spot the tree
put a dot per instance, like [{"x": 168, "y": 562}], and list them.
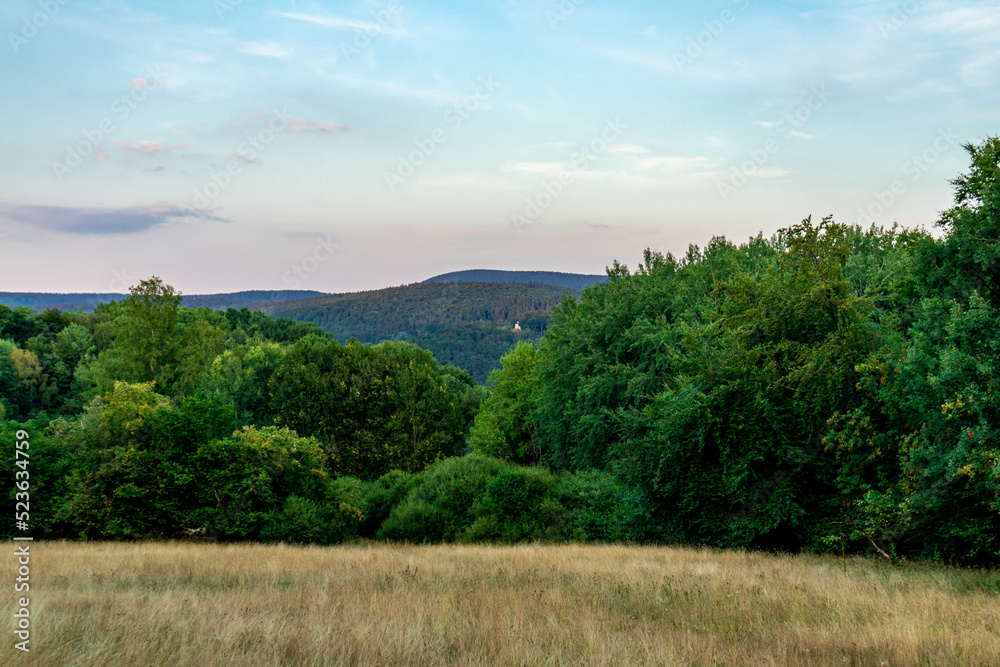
[
  {"x": 374, "y": 409},
  {"x": 968, "y": 259},
  {"x": 505, "y": 426},
  {"x": 146, "y": 339},
  {"x": 244, "y": 479}
]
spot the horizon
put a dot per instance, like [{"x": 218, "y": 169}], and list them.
[
  {"x": 342, "y": 147},
  {"x": 251, "y": 290}
]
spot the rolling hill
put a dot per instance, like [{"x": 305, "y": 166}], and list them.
[
  {"x": 467, "y": 324},
  {"x": 575, "y": 281},
  {"x": 87, "y": 301},
  {"x": 464, "y": 318}
]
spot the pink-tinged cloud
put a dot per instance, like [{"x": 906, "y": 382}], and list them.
[
  {"x": 142, "y": 82},
  {"x": 101, "y": 156},
  {"x": 144, "y": 147},
  {"x": 180, "y": 146},
  {"x": 97, "y": 221},
  {"x": 239, "y": 157},
  {"x": 301, "y": 124}
]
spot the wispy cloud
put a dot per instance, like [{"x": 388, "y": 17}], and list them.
[
  {"x": 672, "y": 162},
  {"x": 144, "y": 147},
  {"x": 267, "y": 49},
  {"x": 535, "y": 167},
  {"x": 301, "y": 124},
  {"x": 85, "y": 221},
  {"x": 339, "y": 23},
  {"x": 239, "y": 157},
  {"x": 627, "y": 148}
]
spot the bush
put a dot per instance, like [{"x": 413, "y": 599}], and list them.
[
  {"x": 300, "y": 520},
  {"x": 381, "y": 496},
  {"x": 477, "y": 498},
  {"x": 440, "y": 506},
  {"x": 598, "y": 506}
]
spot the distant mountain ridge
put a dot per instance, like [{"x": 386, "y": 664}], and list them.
[
  {"x": 576, "y": 281},
  {"x": 250, "y": 299}
]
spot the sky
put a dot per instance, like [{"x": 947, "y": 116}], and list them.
[{"x": 229, "y": 145}]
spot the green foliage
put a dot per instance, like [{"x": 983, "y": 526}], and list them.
[
  {"x": 466, "y": 324},
  {"x": 829, "y": 388},
  {"x": 373, "y": 408},
  {"x": 146, "y": 339},
  {"x": 479, "y": 498},
  {"x": 505, "y": 426},
  {"x": 440, "y": 507},
  {"x": 477, "y": 348},
  {"x": 131, "y": 460},
  {"x": 244, "y": 479}
]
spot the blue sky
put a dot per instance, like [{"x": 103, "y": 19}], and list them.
[{"x": 339, "y": 146}]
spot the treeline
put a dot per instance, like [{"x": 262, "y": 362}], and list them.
[
  {"x": 575, "y": 281},
  {"x": 831, "y": 388}
]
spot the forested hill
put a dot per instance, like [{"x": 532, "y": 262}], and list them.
[
  {"x": 251, "y": 300},
  {"x": 467, "y": 324},
  {"x": 571, "y": 280}
]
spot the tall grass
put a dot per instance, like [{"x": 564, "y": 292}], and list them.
[{"x": 206, "y": 605}]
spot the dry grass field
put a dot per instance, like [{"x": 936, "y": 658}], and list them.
[{"x": 206, "y": 605}]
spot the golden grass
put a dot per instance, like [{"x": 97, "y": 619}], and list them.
[{"x": 206, "y": 605}]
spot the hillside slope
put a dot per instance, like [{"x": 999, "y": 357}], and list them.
[
  {"x": 467, "y": 324},
  {"x": 576, "y": 281},
  {"x": 252, "y": 300}
]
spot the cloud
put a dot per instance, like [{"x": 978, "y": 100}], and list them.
[
  {"x": 85, "y": 221},
  {"x": 535, "y": 167},
  {"x": 300, "y": 124},
  {"x": 297, "y": 124},
  {"x": 671, "y": 162},
  {"x": 627, "y": 148},
  {"x": 267, "y": 49},
  {"x": 153, "y": 169},
  {"x": 142, "y": 83},
  {"x": 339, "y": 23},
  {"x": 144, "y": 147},
  {"x": 239, "y": 157}
]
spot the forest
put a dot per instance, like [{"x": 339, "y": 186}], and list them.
[{"x": 828, "y": 389}]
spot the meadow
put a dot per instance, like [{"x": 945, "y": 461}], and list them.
[{"x": 205, "y": 604}]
